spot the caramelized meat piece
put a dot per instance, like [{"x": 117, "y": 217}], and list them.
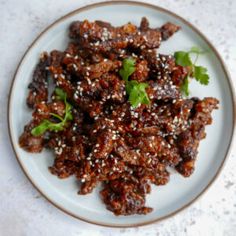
[
  {"x": 29, "y": 142},
  {"x": 141, "y": 72},
  {"x": 95, "y": 71},
  {"x": 144, "y": 24},
  {"x": 38, "y": 88},
  {"x": 188, "y": 141},
  {"x": 168, "y": 29},
  {"x": 101, "y": 36},
  {"x": 125, "y": 198},
  {"x": 88, "y": 186},
  {"x": 104, "y": 144}
]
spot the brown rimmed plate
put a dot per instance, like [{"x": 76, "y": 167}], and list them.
[{"x": 166, "y": 200}]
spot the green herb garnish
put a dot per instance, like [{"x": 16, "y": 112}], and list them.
[
  {"x": 136, "y": 91},
  {"x": 51, "y": 126},
  {"x": 198, "y": 72}
]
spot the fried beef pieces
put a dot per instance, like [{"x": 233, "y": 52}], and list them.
[{"x": 108, "y": 140}]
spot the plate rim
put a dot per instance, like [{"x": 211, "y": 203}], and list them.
[{"x": 195, "y": 29}]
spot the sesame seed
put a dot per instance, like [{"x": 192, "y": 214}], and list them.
[{"x": 59, "y": 151}]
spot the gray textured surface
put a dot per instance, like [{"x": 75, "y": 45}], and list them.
[{"x": 23, "y": 212}]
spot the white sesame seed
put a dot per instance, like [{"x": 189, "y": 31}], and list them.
[{"x": 59, "y": 151}]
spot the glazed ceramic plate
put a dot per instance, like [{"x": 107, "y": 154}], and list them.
[{"x": 180, "y": 191}]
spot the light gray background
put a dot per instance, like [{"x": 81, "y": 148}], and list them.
[{"x": 23, "y": 211}]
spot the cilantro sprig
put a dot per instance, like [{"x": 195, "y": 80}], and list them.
[
  {"x": 51, "y": 126},
  {"x": 183, "y": 58},
  {"x": 135, "y": 90}
]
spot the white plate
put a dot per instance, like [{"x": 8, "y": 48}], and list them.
[{"x": 165, "y": 200}]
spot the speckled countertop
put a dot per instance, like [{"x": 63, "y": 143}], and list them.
[{"x": 23, "y": 211}]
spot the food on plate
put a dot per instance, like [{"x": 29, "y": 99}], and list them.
[{"x": 118, "y": 112}]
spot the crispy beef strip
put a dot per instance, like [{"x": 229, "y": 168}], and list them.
[
  {"x": 29, "y": 142},
  {"x": 125, "y": 197},
  {"x": 38, "y": 88},
  {"x": 188, "y": 141},
  {"x": 102, "y": 37},
  {"x": 168, "y": 29}
]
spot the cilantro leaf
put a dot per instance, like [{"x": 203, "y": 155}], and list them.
[
  {"x": 128, "y": 69},
  {"x": 41, "y": 128},
  {"x": 51, "y": 126},
  {"x": 134, "y": 97},
  {"x": 135, "y": 90},
  {"x": 61, "y": 95},
  {"x": 185, "y": 86},
  {"x": 138, "y": 95},
  {"x": 182, "y": 58},
  {"x": 200, "y": 74},
  {"x": 56, "y": 116},
  {"x": 196, "y": 50},
  {"x": 142, "y": 90},
  {"x": 129, "y": 85}
]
